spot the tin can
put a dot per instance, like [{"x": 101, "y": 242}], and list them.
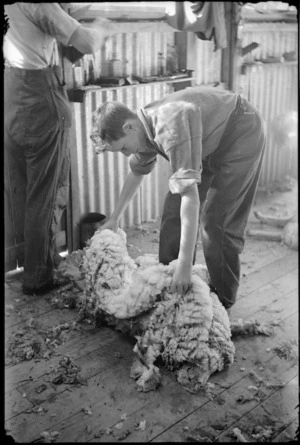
[{"x": 89, "y": 223}]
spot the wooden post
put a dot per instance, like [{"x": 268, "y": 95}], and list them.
[
  {"x": 231, "y": 54},
  {"x": 225, "y": 70},
  {"x": 191, "y": 59},
  {"x": 235, "y": 48},
  {"x": 181, "y": 47}
]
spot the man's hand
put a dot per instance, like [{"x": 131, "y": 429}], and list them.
[
  {"x": 105, "y": 25},
  {"x": 189, "y": 214},
  {"x": 182, "y": 278},
  {"x": 110, "y": 224},
  {"x": 79, "y": 13}
]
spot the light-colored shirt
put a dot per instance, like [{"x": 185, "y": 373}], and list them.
[
  {"x": 187, "y": 126},
  {"x": 34, "y": 28}
]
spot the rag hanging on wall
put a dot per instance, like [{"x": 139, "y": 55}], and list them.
[{"x": 206, "y": 19}]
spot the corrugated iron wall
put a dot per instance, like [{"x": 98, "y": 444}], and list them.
[
  {"x": 208, "y": 62},
  {"x": 143, "y": 54},
  {"x": 99, "y": 178},
  {"x": 271, "y": 87},
  {"x": 274, "y": 38}
]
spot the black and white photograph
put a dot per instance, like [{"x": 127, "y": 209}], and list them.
[{"x": 151, "y": 278}]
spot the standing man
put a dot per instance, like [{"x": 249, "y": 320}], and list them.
[
  {"x": 37, "y": 120},
  {"x": 214, "y": 141}
]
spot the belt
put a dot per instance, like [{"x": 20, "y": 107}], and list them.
[
  {"x": 51, "y": 74},
  {"x": 242, "y": 107},
  {"x": 34, "y": 72}
]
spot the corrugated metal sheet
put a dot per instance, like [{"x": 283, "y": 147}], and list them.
[
  {"x": 143, "y": 54},
  {"x": 101, "y": 177},
  {"x": 208, "y": 63},
  {"x": 274, "y": 39},
  {"x": 204, "y": 60},
  {"x": 272, "y": 88}
]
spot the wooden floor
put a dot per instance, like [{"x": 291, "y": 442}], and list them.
[{"x": 108, "y": 408}]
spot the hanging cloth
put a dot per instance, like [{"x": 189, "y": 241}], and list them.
[{"x": 206, "y": 19}]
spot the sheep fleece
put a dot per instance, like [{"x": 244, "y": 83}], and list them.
[{"x": 190, "y": 333}]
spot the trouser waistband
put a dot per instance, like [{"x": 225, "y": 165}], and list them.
[
  {"x": 24, "y": 71},
  {"x": 52, "y": 75},
  {"x": 242, "y": 107}
]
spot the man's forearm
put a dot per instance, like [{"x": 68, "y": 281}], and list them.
[
  {"x": 129, "y": 189},
  {"x": 189, "y": 214},
  {"x": 87, "y": 41},
  {"x": 89, "y": 37}
]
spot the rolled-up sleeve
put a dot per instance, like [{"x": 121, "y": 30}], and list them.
[
  {"x": 182, "y": 139},
  {"x": 186, "y": 165},
  {"x": 142, "y": 163},
  {"x": 54, "y": 21},
  {"x": 183, "y": 179}
]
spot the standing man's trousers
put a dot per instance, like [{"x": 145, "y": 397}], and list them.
[
  {"x": 37, "y": 119},
  {"x": 229, "y": 181}
]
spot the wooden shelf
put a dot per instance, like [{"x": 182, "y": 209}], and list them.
[
  {"x": 258, "y": 63},
  {"x": 130, "y": 16},
  {"x": 77, "y": 94},
  {"x": 255, "y": 16}
]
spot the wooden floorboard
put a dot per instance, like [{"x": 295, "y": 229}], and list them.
[
  {"x": 235, "y": 382},
  {"x": 222, "y": 414},
  {"x": 268, "y": 299},
  {"x": 290, "y": 431},
  {"x": 19, "y": 311},
  {"x": 81, "y": 343},
  {"x": 108, "y": 408},
  {"x": 161, "y": 404},
  {"x": 273, "y": 270},
  {"x": 277, "y": 411},
  {"x": 66, "y": 401}
]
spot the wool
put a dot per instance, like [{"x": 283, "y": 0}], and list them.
[
  {"x": 290, "y": 235},
  {"x": 190, "y": 333}
]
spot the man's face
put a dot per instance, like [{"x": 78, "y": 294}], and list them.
[
  {"x": 127, "y": 145},
  {"x": 133, "y": 141}
]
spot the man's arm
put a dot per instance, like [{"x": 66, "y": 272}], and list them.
[
  {"x": 129, "y": 189},
  {"x": 89, "y": 37},
  {"x": 53, "y": 20},
  {"x": 189, "y": 214}
]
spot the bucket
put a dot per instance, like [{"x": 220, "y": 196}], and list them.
[{"x": 89, "y": 223}]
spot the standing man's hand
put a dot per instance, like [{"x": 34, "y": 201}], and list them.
[
  {"x": 106, "y": 25},
  {"x": 182, "y": 278},
  {"x": 77, "y": 14},
  {"x": 89, "y": 37}
]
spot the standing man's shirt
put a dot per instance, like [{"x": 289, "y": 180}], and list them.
[
  {"x": 32, "y": 45},
  {"x": 187, "y": 126}
]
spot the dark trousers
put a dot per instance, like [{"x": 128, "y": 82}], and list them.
[
  {"x": 229, "y": 181},
  {"x": 37, "y": 119}
]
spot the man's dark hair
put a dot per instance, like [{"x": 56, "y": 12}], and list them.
[{"x": 108, "y": 120}]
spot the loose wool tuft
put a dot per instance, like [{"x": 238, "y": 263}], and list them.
[
  {"x": 290, "y": 235},
  {"x": 190, "y": 333}
]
